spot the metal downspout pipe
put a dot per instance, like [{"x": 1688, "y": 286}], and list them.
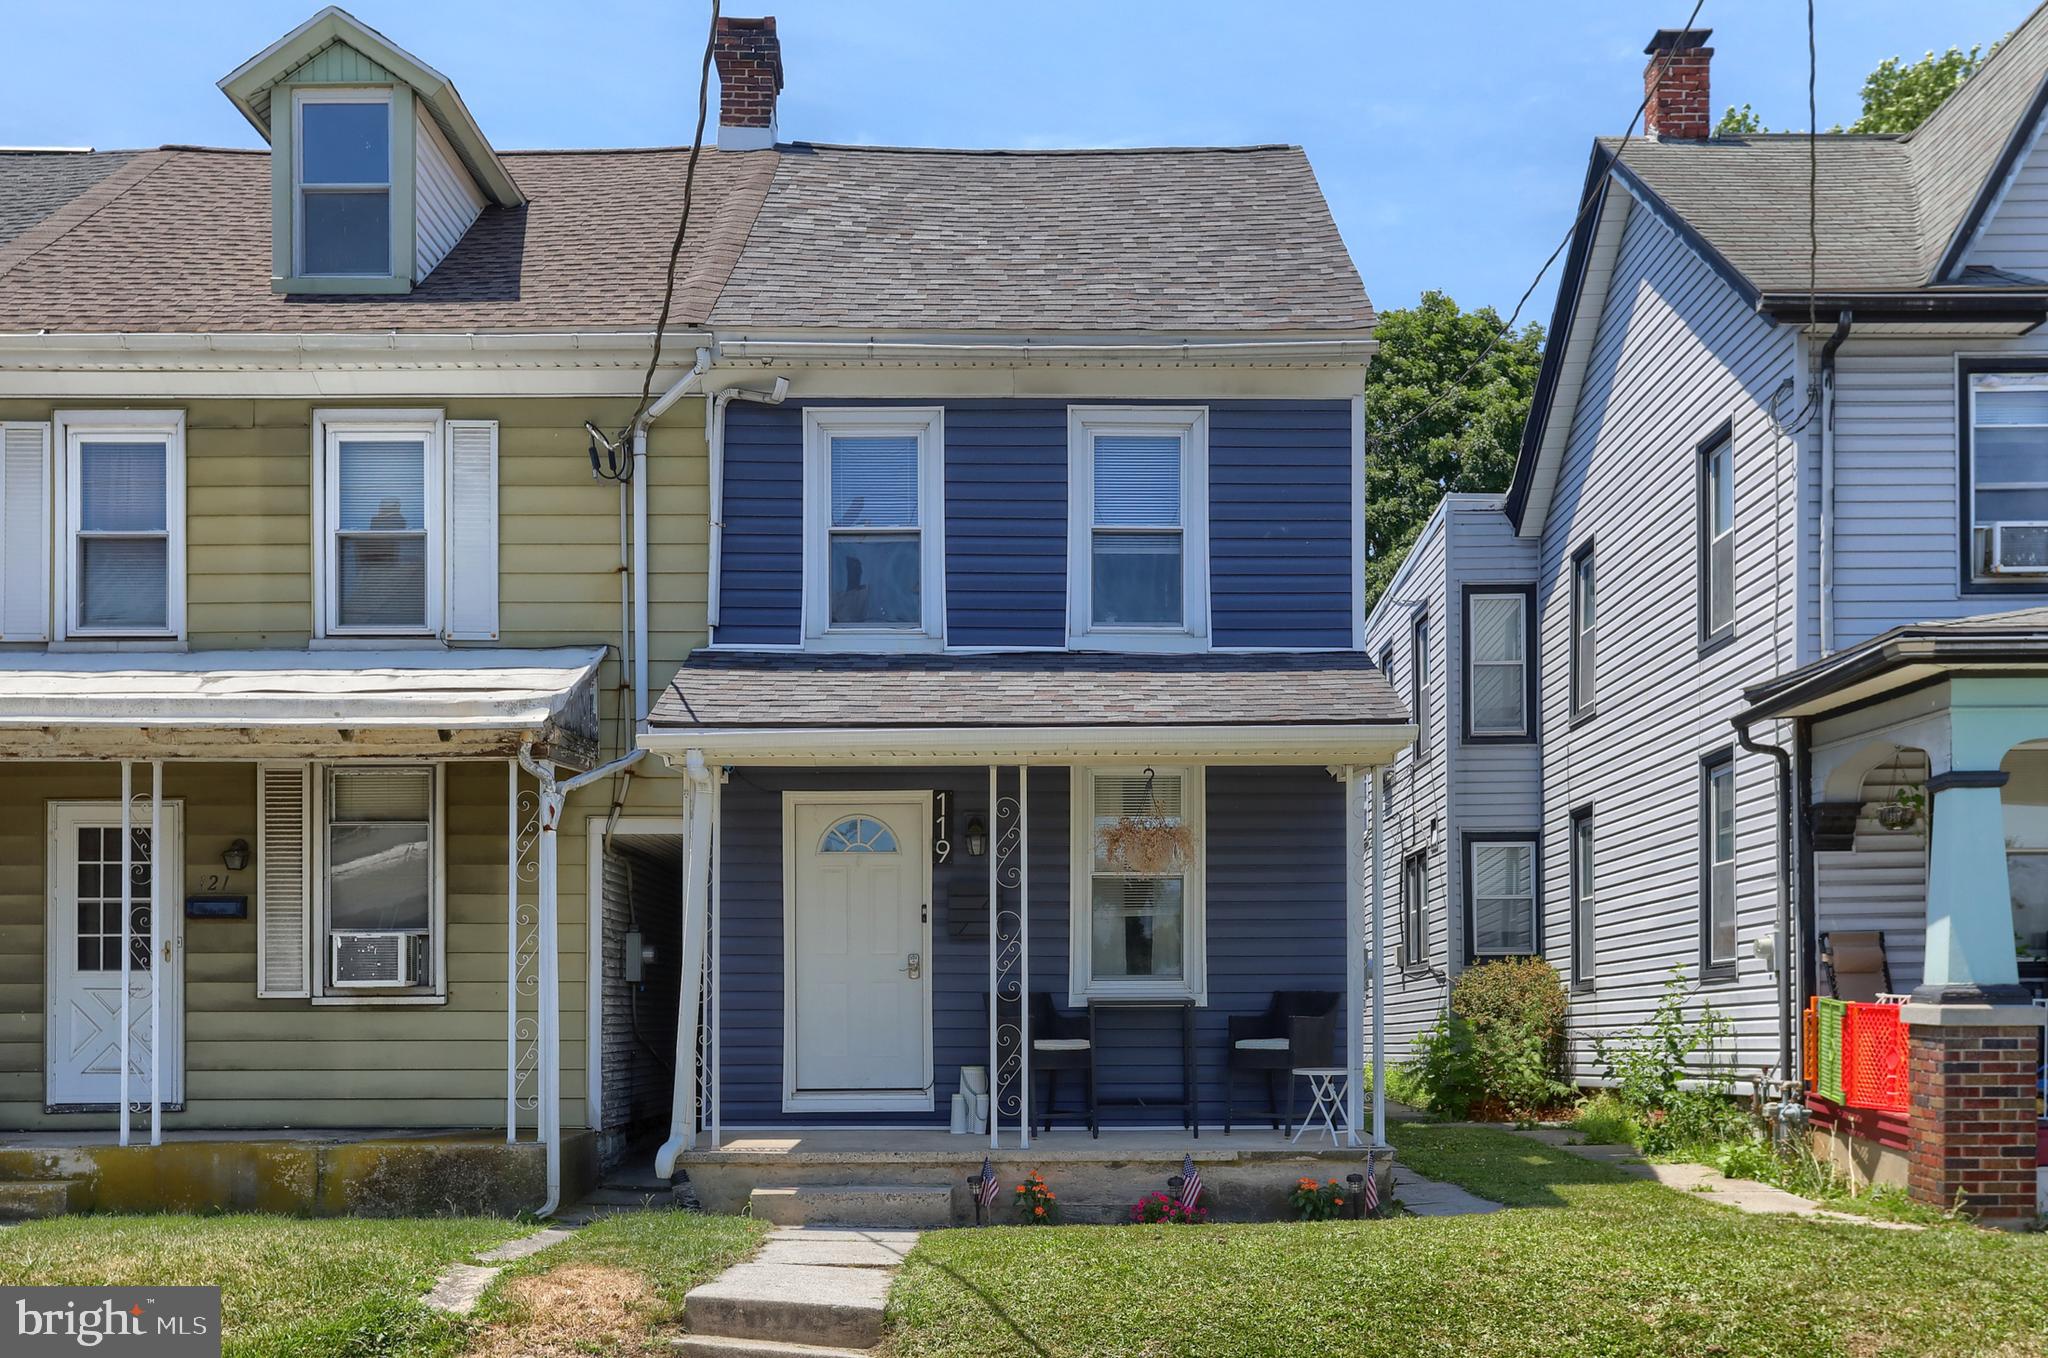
[
  {"x": 1827, "y": 479},
  {"x": 697, "y": 868},
  {"x": 679, "y": 389},
  {"x": 1783, "y": 950}
]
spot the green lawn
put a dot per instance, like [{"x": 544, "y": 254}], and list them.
[
  {"x": 290, "y": 1288},
  {"x": 1593, "y": 1263}
]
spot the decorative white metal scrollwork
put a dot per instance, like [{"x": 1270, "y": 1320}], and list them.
[
  {"x": 525, "y": 997},
  {"x": 1006, "y": 937}
]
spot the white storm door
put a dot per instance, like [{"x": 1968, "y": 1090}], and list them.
[
  {"x": 82, "y": 1033},
  {"x": 857, "y": 976}
]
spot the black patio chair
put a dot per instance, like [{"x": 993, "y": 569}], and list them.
[
  {"x": 1060, "y": 1043},
  {"x": 1299, "y": 1028}
]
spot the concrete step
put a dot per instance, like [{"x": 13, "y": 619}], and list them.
[
  {"x": 828, "y": 1247},
  {"x": 717, "y": 1346},
  {"x": 907, "y": 1206},
  {"x": 791, "y": 1304},
  {"x": 33, "y": 1199}
]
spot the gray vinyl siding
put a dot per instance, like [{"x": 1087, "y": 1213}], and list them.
[
  {"x": 1677, "y": 355},
  {"x": 1457, "y": 786},
  {"x": 2014, "y": 236}
]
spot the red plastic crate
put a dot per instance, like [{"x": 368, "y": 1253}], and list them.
[{"x": 1874, "y": 1058}]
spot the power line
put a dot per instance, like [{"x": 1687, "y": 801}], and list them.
[{"x": 1507, "y": 326}]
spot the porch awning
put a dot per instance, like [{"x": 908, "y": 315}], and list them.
[
  {"x": 300, "y": 704},
  {"x": 1902, "y": 657},
  {"x": 780, "y": 707}
]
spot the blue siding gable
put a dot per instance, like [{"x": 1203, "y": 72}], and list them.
[{"x": 1280, "y": 488}]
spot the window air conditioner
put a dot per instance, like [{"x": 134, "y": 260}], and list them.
[
  {"x": 2019, "y": 549},
  {"x": 380, "y": 958}
]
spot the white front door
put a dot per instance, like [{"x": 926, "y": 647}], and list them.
[
  {"x": 83, "y": 1018},
  {"x": 857, "y": 998}
]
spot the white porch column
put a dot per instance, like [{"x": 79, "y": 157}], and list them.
[
  {"x": 511, "y": 950},
  {"x": 157, "y": 960},
  {"x": 699, "y": 793},
  {"x": 995, "y": 1133},
  {"x": 1024, "y": 951},
  {"x": 1969, "y": 919},
  {"x": 127, "y": 924}
]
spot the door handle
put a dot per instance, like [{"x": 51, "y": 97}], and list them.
[
  {"x": 167, "y": 950},
  {"x": 914, "y": 964}
]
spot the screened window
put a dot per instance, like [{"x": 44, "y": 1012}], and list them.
[
  {"x": 1418, "y": 682},
  {"x": 1717, "y": 539},
  {"x": 380, "y": 867},
  {"x": 1503, "y": 893},
  {"x": 1584, "y": 624},
  {"x": 124, "y": 515},
  {"x": 2009, "y": 477},
  {"x": 1142, "y": 930},
  {"x": 1414, "y": 909},
  {"x": 1139, "y": 556},
  {"x": 1717, "y": 853},
  {"x": 384, "y": 516},
  {"x": 874, "y": 514},
  {"x": 1582, "y": 896},
  {"x": 343, "y": 173},
  {"x": 1497, "y": 682}
]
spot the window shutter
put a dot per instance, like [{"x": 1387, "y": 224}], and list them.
[
  {"x": 472, "y": 601},
  {"x": 284, "y": 880},
  {"x": 24, "y": 532}
]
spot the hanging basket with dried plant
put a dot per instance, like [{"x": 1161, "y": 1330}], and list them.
[{"x": 1152, "y": 843}]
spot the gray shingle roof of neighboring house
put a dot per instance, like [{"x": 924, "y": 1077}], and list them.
[
  {"x": 719, "y": 690},
  {"x": 1231, "y": 238},
  {"x": 34, "y": 184},
  {"x": 1181, "y": 241},
  {"x": 1892, "y": 208}
]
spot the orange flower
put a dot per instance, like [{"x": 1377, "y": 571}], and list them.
[{"x": 1038, "y": 1211}]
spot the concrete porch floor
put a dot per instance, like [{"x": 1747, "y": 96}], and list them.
[{"x": 912, "y": 1145}]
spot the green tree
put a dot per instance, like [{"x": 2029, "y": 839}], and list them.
[
  {"x": 1898, "y": 97},
  {"x": 1432, "y": 427},
  {"x": 1738, "y": 122}
]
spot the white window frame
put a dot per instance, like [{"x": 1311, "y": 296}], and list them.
[
  {"x": 1585, "y": 624},
  {"x": 343, "y": 95},
  {"x": 324, "y": 992},
  {"x": 329, "y": 427},
  {"x": 1584, "y": 862},
  {"x": 1720, "y": 448},
  {"x": 1084, "y": 425},
  {"x": 74, "y": 428},
  {"x": 1712, "y": 771},
  {"x": 1082, "y": 984},
  {"x": 1413, "y": 893},
  {"x": 927, "y": 424},
  {"x": 1519, "y": 731},
  {"x": 1528, "y": 845},
  {"x": 1979, "y": 557}
]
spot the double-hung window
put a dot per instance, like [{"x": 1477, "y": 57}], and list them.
[
  {"x": 1137, "y": 571},
  {"x": 1138, "y": 915},
  {"x": 122, "y": 490},
  {"x": 1582, "y": 896},
  {"x": 1500, "y": 888},
  {"x": 2007, "y": 509},
  {"x": 1584, "y": 631},
  {"x": 1418, "y": 682},
  {"x": 874, "y": 556},
  {"x": 1415, "y": 909},
  {"x": 1717, "y": 537},
  {"x": 380, "y": 864},
  {"x": 1717, "y": 863},
  {"x": 1498, "y": 688},
  {"x": 342, "y": 182}
]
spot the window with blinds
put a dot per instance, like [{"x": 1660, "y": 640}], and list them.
[
  {"x": 122, "y": 509},
  {"x": 875, "y": 554},
  {"x": 1138, "y": 559},
  {"x": 380, "y": 534},
  {"x": 1497, "y": 663},
  {"x": 2008, "y": 478},
  {"x": 1503, "y": 894},
  {"x": 1139, "y": 926}
]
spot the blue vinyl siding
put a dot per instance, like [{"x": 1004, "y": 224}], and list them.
[
  {"x": 1279, "y": 523},
  {"x": 1275, "y": 910}
]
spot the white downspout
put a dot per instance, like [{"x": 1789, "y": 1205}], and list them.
[
  {"x": 715, "y": 438},
  {"x": 682, "y": 1123},
  {"x": 552, "y": 795},
  {"x": 675, "y": 393}
]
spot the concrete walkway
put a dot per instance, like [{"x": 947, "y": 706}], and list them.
[
  {"x": 460, "y": 1286},
  {"x": 1429, "y": 1198},
  {"x": 1744, "y": 1195},
  {"x": 813, "y": 1290}
]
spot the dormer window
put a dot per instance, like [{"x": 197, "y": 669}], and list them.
[{"x": 344, "y": 183}]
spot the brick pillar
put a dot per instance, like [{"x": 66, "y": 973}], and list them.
[{"x": 1973, "y": 1117}]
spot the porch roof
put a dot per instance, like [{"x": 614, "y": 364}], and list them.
[
  {"x": 2016, "y": 641},
  {"x": 300, "y": 704},
  {"x": 782, "y": 707}
]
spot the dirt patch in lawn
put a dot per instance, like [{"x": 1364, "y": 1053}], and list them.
[{"x": 575, "y": 1310}]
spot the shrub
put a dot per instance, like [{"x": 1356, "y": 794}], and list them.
[
  {"x": 1514, "y": 1011},
  {"x": 1158, "y": 1207},
  {"x": 1037, "y": 1204},
  {"x": 1317, "y": 1202},
  {"x": 1403, "y": 1085},
  {"x": 1664, "y": 1076},
  {"x": 1604, "y": 1120},
  {"x": 1445, "y": 1071}
]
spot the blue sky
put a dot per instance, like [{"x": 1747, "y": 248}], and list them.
[{"x": 1450, "y": 137}]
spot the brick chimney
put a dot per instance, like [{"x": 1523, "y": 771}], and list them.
[
  {"x": 749, "y": 58},
  {"x": 1675, "y": 80}
]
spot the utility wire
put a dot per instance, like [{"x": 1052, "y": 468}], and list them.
[{"x": 1507, "y": 327}]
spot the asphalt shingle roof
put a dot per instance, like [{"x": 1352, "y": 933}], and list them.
[
  {"x": 722, "y": 690},
  {"x": 35, "y": 184}
]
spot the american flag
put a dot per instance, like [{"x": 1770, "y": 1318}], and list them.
[
  {"x": 1190, "y": 1183},
  {"x": 985, "y": 1192},
  {"x": 1372, "y": 1190}
]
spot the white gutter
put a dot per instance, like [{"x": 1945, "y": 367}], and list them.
[
  {"x": 1327, "y": 743},
  {"x": 714, "y": 430},
  {"x": 675, "y": 393},
  {"x": 1056, "y": 351},
  {"x": 682, "y": 1123},
  {"x": 552, "y": 795}
]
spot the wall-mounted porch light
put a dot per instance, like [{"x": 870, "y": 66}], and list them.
[
  {"x": 235, "y": 856},
  {"x": 977, "y": 837}
]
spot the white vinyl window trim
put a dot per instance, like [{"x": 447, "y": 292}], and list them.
[
  {"x": 924, "y": 424},
  {"x": 301, "y": 186},
  {"x": 1193, "y": 982},
  {"x": 1086, "y": 425},
  {"x": 1507, "y": 900},
  {"x": 1414, "y": 910},
  {"x": 74, "y": 429},
  {"x": 331, "y": 428},
  {"x": 1509, "y": 664},
  {"x": 320, "y": 820}
]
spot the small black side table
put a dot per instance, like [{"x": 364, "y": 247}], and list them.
[{"x": 1189, "y": 1103}]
